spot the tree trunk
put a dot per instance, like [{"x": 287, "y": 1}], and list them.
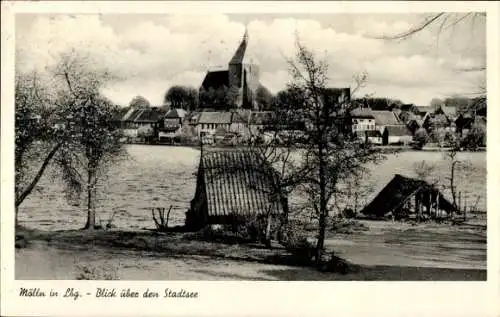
[
  {"x": 452, "y": 184},
  {"x": 35, "y": 180},
  {"x": 323, "y": 211},
  {"x": 16, "y": 221},
  {"x": 90, "y": 225}
]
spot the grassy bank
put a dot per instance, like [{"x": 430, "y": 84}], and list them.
[{"x": 386, "y": 251}]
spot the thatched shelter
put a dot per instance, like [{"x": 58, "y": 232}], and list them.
[
  {"x": 404, "y": 196},
  {"x": 233, "y": 186}
]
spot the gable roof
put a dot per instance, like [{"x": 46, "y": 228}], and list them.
[
  {"x": 150, "y": 115},
  {"x": 383, "y": 117},
  {"x": 218, "y": 117},
  {"x": 397, "y": 191},
  {"x": 398, "y": 130},
  {"x": 424, "y": 109},
  {"x": 215, "y": 79},
  {"x": 362, "y": 113},
  {"x": 175, "y": 114},
  {"x": 236, "y": 183}
]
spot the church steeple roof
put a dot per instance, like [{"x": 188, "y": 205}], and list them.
[{"x": 239, "y": 55}]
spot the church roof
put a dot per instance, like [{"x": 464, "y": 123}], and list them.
[
  {"x": 216, "y": 79},
  {"x": 239, "y": 55}
]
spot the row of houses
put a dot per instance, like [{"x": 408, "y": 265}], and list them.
[
  {"x": 167, "y": 124},
  {"x": 399, "y": 125},
  {"x": 380, "y": 127}
]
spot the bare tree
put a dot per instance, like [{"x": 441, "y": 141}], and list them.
[
  {"x": 330, "y": 152},
  {"x": 94, "y": 143},
  {"x": 424, "y": 170}
]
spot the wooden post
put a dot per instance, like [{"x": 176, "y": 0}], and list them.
[
  {"x": 419, "y": 215},
  {"x": 459, "y": 201},
  {"x": 437, "y": 203},
  {"x": 465, "y": 207},
  {"x": 429, "y": 204},
  {"x": 268, "y": 229}
]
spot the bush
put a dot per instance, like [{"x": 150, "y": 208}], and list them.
[
  {"x": 420, "y": 138},
  {"x": 302, "y": 250},
  {"x": 475, "y": 138},
  {"x": 335, "y": 264}
]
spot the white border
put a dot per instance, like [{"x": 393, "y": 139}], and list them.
[{"x": 254, "y": 298}]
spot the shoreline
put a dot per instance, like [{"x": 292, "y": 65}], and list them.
[{"x": 382, "y": 148}]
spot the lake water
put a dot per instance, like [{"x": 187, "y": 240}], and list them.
[{"x": 160, "y": 176}]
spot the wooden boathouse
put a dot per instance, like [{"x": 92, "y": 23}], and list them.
[
  {"x": 404, "y": 197},
  {"x": 232, "y": 187}
]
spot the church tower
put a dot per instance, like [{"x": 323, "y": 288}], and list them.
[{"x": 243, "y": 76}]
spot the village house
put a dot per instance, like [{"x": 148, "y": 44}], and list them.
[
  {"x": 142, "y": 122},
  {"x": 172, "y": 124},
  {"x": 210, "y": 121},
  {"x": 232, "y": 187},
  {"x": 422, "y": 111},
  {"x": 393, "y": 131},
  {"x": 450, "y": 112},
  {"x": 362, "y": 119}
]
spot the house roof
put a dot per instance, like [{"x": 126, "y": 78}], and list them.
[
  {"x": 118, "y": 116},
  {"x": 438, "y": 119},
  {"x": 362, "y": 113},
  {"x": 176, "y": 114},
  {"x": 398, "y": 130},
  {"x": 236, "y": 182},
  {"x": 449, "y": 111},
  {"x": 150, "y": 115},
  {"x": 397, "y": 191},
  {"x": 215, "y": 79},
  {"x": 132, "y": 114},
  {"x": 424, "y": 109},
  {"x": 218, "y": 117},
  {"x": 383, "y": 117}
]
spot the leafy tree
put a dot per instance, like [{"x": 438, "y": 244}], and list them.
[
  {"x": 139, "y": 102},
  {"x": 36, "y": 142},
  {"x": 218, "y": 99},
  {"x": 264, "y": 98},
  {"x": 182, "y": 97},
  {"x": 421, "y": 138},
  {"x": 475, "y": 138},
  {"x": 94, "y": 142},
  {"x": 436, "y": 102}
]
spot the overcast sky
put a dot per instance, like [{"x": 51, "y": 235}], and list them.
[{"x": 150, "y": 53}]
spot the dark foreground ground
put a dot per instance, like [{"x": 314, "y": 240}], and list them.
[{"x": 385, "y": 252}]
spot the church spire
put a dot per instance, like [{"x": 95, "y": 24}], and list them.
[
  {"x": 240, "y": 52},
  {"x": 245, "y": 36}
]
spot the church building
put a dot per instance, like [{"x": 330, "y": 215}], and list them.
[{"x": 240, "y": 80}]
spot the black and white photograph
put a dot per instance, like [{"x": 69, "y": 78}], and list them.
[{"x": 251, "y": 146}]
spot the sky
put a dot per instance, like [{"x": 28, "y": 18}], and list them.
[{"x": 150, "y": 53}]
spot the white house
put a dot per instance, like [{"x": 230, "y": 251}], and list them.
[
  {"x": 362, "y": 119},
  {"x": 208, "y": 122}
]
